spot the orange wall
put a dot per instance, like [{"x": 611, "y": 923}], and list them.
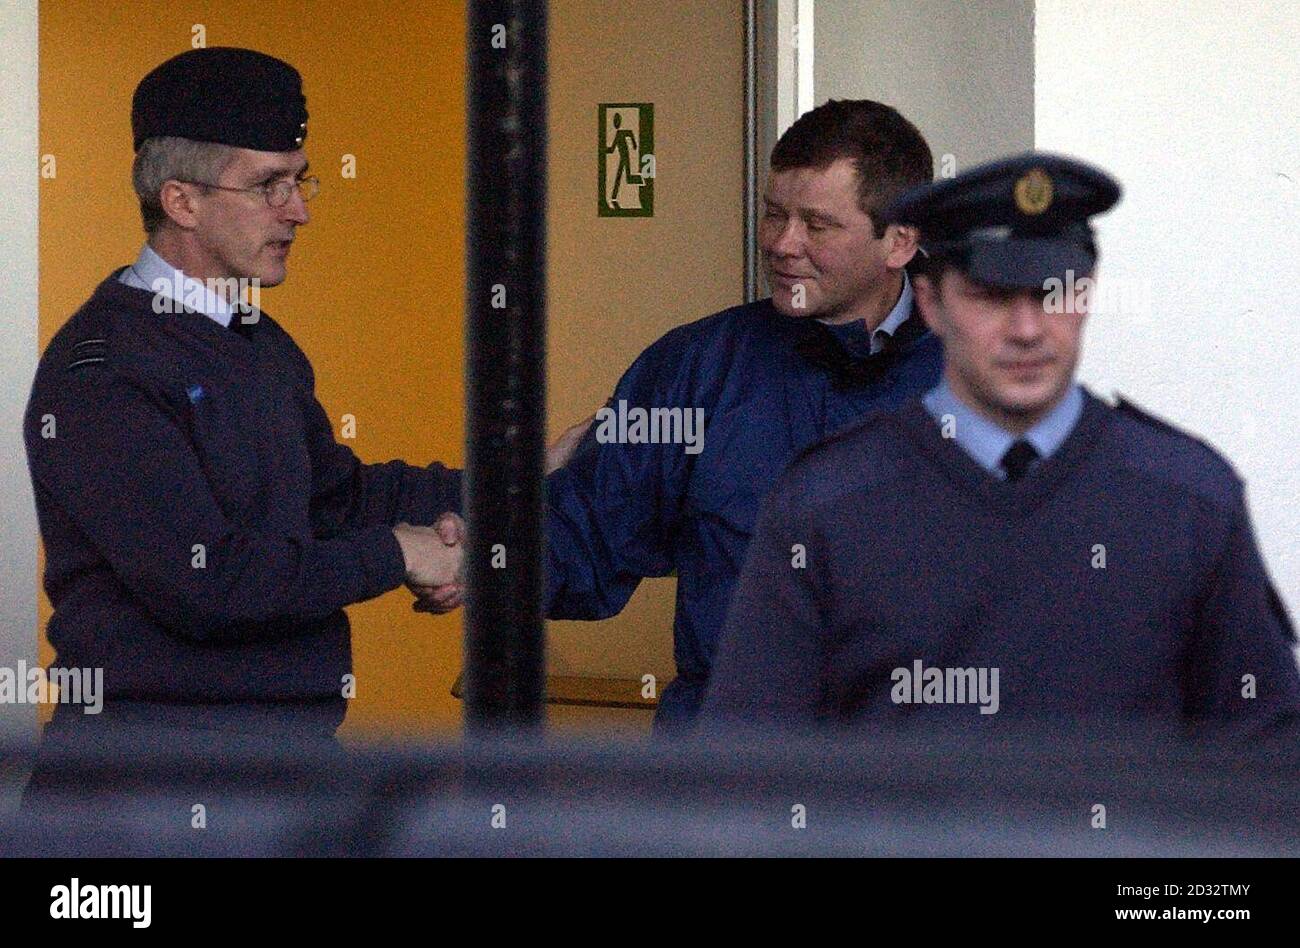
[
  {"x": 618, "y": 284},
  {"x": 375, "y": 288},
  {"x": 376, "y": 281}
]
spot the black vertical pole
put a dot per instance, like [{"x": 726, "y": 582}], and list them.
[
  {"x": 506, "y": 369},
  {"x": 749, "y": 193}
]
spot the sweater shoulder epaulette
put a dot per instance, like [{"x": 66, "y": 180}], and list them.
[
  {"x": 83, "y": 343},
  {"x": 1165, "y": 429},
  {"x": 1141, "y": 414},
  {"x": 1168, "y": 452},
  {"x": 85, "y": 353}
]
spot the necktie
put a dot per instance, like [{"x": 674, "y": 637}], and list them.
[
  {"x": 1017, "y": 459},
  {"x": 237, "y": 323}
]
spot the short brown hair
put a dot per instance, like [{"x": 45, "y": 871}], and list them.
[{"x": 887, "y": 151}]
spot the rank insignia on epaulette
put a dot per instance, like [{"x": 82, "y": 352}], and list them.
[{"x": 88, "y": 352}]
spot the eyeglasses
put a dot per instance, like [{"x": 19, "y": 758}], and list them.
[{"x": 276, "y": 194}]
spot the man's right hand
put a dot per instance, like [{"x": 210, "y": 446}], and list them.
[{"x": 429, "y": 560}]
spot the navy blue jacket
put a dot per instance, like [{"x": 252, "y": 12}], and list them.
[
  {"x": 620, "y": 512},
  {"x": 203, "y": 529},
  {"x": 1120, "y": 577}
]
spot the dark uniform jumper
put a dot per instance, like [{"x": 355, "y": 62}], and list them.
[
  {"x": 203, "y": 529},
  {"x": 1105, "y": 568},
  {"x": 915, "y": 552}
]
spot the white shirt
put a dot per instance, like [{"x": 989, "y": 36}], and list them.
[{"x": 151, "y": 272}]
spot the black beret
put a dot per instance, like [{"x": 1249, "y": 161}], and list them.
[
  {"x": 1014, "y": 222},
  {"x": 221, "y": 94}
]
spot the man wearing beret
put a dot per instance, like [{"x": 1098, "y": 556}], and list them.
[
  {"x": 1007, "y": 540},
  {"x": 203, "y": 529}
]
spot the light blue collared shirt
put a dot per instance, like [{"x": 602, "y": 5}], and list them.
[
  {"x": 987, "y": 442},
  {"x": 151, "y": 272},
  {"x": 853, "y": 336}
]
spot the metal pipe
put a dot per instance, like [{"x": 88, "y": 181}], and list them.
[
  {"x": 751, "y": 151},
  {"x": 505, "y": 364}
]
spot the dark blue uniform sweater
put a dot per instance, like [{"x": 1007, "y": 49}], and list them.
[
  {"x": 203, "y": 529},
  {"x": 915, "y": 553}
]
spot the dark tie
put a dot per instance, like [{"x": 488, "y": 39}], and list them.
[
  {"x": 237, "y": 323},
  {"x": 1017, "y": 460}
]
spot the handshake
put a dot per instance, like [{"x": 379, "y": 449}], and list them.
[
  {"x": 435, "y": 563},
  {"x": 435, "y": 556}
]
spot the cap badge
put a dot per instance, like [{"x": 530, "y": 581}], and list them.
[{"x": 1033, "y": 191}]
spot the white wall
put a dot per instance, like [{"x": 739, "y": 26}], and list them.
[
  {"x": 1195, "y": 107},
  {"x": 962, "y": 72},
  {"x": 18, "y": 328}
]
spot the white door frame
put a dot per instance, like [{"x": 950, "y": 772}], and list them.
[{"x": 19, "y": 334}]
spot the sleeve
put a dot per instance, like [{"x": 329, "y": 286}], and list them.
[
  {"x": 767, "y": 666},
  {"x": 348, "y": 495},
  {"x": 614, "y": 511},
  {"x": 1243, "y": 664},
  {"x": 123, "y": 469}
]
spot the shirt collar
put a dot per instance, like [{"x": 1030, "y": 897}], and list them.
[
  {"x": 853, "y": 335},
  {"x": 986, "y": 441},
  {"x": 897, "y": 316},
  {"x": 151, "y": 272}
]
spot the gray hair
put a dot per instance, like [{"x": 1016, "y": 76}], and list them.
[{"x": 165, "y": 158}]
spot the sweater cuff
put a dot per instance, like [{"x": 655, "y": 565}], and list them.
[
  {"x": 453, "y": 485},
  {"x": 382, "y": 560}
]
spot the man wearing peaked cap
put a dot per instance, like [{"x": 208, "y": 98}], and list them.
[
  {"x": 1074, "y": 560},
  {"x": 1006, "y": 233},
  {"x": 1013, "y": 223},
  {"x": 203, "y": 528}
]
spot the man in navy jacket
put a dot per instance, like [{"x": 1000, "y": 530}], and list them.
[{"x": 671, "y": 474}]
